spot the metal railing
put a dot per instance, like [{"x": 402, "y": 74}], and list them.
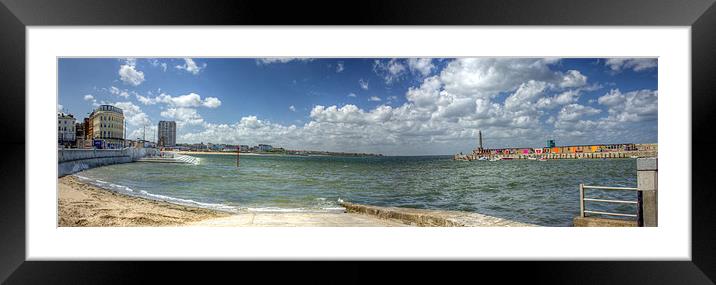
[{"x": 638, "y": 202}]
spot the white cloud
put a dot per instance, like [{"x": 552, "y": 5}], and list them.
[
  {"x": 91, "y": 98},
  {"x": 573, "y": 78},
  {"x": 156, "y": 63},
  {"x": 572, "y": 112},
  {"x": 60, "y": 108},
  {"x": 270, "y": 60},
  {"x": 129, "y": 74},
  {"x": 427, "y": 94},
  {"x": 525, "y": 95},
  {"x": 363, "y": 84},
  {"x": 352, "y": 95},
  {"x": 634, "y": 106},
  {"x": 191, "y": 66},
  {"x": 211, "y": 102},
  {"x": 374, "y": 99},
  {"x": 292, "y": 108},
  {"x": 133, "y": 114},
  {"x": 566, "y": 97},
  {"x": 148, "y": 132},
  {"x": 145, "y": 100},
  {"x": 248, "y": 130},
  {"x": 612, "y": 99},
  {"x": 339, "y": 67},
  {"x": 485, "y": 77},
  {"x": 423, "y": 66},
  {"x": 636, "y": 64},
  {"x": 123, "y": 93},
  {"x": 391, "y": 71},
  {"x": 183, "y": 116},
  {"x": 183, "y": 101}
]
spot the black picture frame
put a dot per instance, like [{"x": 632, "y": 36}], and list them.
[{"x": 15, "y": 15}]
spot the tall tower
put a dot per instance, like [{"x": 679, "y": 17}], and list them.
[{"x": 479, "y": 134}]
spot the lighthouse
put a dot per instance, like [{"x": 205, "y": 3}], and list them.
[{"x": 479, "y": 135}]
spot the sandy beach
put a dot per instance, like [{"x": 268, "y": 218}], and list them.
[{"x": 83, "y": 205}]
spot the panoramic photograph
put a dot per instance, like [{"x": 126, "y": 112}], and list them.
[{"x": 357, "y": 142}]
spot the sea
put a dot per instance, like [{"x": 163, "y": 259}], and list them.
[{"x": 544, "y": 193}]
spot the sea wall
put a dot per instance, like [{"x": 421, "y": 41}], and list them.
[
  {"x": 70, "y": 161},
  {"x": 432, "y": 218}
]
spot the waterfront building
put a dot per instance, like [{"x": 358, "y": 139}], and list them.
[
  {"x": 264, "y": 147},
  {"x": 107, "y": 127},
  {"x": 647, "y": 147},
  {"x": 65, "y": 129},
  {"x": 230, "y": 148},
  {"x": 140, "y": 143},
  {"x": 88, "y": 129},
  {"x": 619, "y": 150},
  {"x": 167, "y": 134},
  {"x": 216, "y": 147},
  {"x": 199, "y": 147},
  {"x": 80, "y": 134}
]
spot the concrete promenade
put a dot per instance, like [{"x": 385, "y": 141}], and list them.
[{"x": 300, "y": 219}]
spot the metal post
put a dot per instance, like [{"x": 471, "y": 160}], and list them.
[
  {"x": 639, "y": 209},
  {"x": 581, "y": 200}
]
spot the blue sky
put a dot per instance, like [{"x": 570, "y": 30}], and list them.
[{"x": 392, "y": 106}]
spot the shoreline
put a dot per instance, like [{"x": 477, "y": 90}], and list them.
[
  {"x": 264, "y": 154},
  {"x": 224, "y": 153},
  {"x": 81, "y": 204}
]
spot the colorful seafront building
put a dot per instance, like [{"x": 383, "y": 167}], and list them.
[
  {"x": 104, "y": 128},
  {"x": 552, "y": 151}
]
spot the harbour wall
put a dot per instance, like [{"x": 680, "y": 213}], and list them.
[
  {"x": 70, "y": 161},
  {"x": 588, "y": 155}
]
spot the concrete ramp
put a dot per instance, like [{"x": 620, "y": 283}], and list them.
[
  {"x": 432, "y": 218},
  {"x": 176, "y": 158}
]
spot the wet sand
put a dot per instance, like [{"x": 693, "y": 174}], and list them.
[{"x": 83, "y": 205}]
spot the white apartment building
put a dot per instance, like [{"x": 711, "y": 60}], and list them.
[{"x": 65, "y": 129}]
